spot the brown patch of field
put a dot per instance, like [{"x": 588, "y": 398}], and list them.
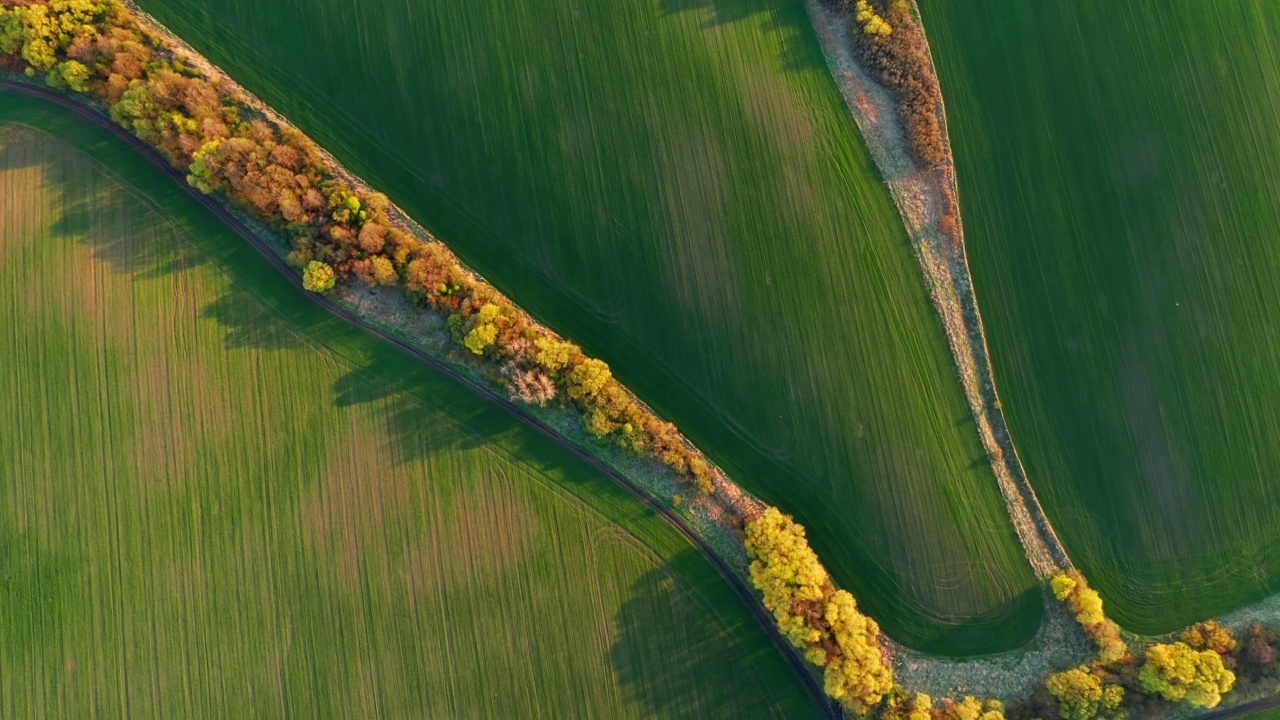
[{"x": 483, "y": 531}]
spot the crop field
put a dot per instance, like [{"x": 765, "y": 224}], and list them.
[
  {"x": 1118, "y": 180},
  {"x": 677, "y": 185},
  {"x": 219, "y": 501}
]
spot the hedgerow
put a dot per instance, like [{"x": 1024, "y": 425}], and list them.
[
  {"x": 340, "y": 234},
  {"x": 337, "y": 234},
  {"x": 1085, "y": 603},
  {"x": 816, "y": 617}
]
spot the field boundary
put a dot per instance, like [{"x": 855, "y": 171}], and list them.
[
  {"x": 925, "y": 196},
  {"x": 242, "y": 226}
]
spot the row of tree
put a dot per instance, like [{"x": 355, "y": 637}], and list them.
[
  {"x": 340, "y": 233},
  {"x": 1084, "y": 602},
  {"x": 337, "y": 232},
  {"x": 816, "y": 617},
  {"x": 1196, "y": 670}
]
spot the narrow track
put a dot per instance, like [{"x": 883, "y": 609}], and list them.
[
  {"x": 746, "y": 594},
  {"x": 1256, "y": 706}
]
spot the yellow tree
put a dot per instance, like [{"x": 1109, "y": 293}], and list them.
[
  {"x": 1179, "y": 673},
  {"x": 318, "y": 277},
  {"x": 1082, "y": 695}
]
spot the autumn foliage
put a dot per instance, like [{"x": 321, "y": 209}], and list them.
[
  {"x": 1085, "y": 603},
  {"x": 1179, "y": 673},
  {"x": 816, "y": 617},
  {"x": 337, "y": 233},
  {"x": 892, "y": 45}
]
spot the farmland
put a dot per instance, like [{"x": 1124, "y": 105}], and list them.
[
  {"x": 220, "y": 501},
  {"x": 1117, "y": 174},
  {"x": 678, "y": 187}
]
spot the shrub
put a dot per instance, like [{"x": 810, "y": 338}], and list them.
[
  {"x": 970, "y": 708},
  {"x": 1259, "y": 651},
  {"x": 532, "y": 387},
  {"x": 384, "y": 273},
  {"x": 1083, "y": 695},
  {"x": 318, "y": 277},
  {"x": 69, "y": 75},
  {"x": 587, "y": 379},
  {"x": 1071, "y": 588},
  {"x": 894, "y": 49},
  {"x": 1179, "y": 673},
  {"x": 1210, "y": 635}
]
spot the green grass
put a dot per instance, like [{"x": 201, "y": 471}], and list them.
[
  {"x": 1118, "y": 175},
  {"x": 677, "y": 185},
  {"x": 219, "y": 501}
]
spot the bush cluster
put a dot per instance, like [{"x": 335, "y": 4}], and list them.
[
  {"x": 1085, "y": 603},
  {"x": 1178, "y": 672},
  {"x": 1196, "y": 671},
  {"x": 816, "y": 617},
  {"x": 337, "y": 233},
  {"x": 892, "y": 45}
]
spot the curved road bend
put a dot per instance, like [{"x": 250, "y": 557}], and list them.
[{"x": 747, "y": 596}]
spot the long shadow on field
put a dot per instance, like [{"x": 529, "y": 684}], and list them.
[
  {"x": 93, "y": 211},
  {"x": 674, "y": 674},
  {"x": 799, "y": 47},
  {"x": 413, "y": 397}
]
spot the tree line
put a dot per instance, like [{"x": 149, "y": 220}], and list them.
[{"x": 337, "y": 234}]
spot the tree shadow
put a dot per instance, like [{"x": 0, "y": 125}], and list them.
[
  {"x": 666, "y": 674},
  {"x": 249, "y": 324},
  {"x": 418, "y": 404},
  {"x": 800, "y": 50}
]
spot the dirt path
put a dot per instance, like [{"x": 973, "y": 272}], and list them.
[
  {"x": 748, "y": 595},
  {"x": 928, "y": 200}
]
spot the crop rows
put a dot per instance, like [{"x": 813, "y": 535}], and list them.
[{"x": 226, "y": 503}]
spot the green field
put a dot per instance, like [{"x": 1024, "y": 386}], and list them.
[
  {"x": 220, "y": 501},
  {"x": 1118, "y": 176},
  {"x": 677, "y": 185}
]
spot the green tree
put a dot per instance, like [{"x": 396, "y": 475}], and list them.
[
  {"x": 10, "y": 31},
  {"x": 1179, "y": 673},
  {"x": 318, "y": 277},
  {"x": 69, "y": 75}
]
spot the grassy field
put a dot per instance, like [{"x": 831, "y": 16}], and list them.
[
  {"x": 1118, "y": 180},
  {"x": 677, "y": 185},
  {"x": 219, "y": 501}
]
